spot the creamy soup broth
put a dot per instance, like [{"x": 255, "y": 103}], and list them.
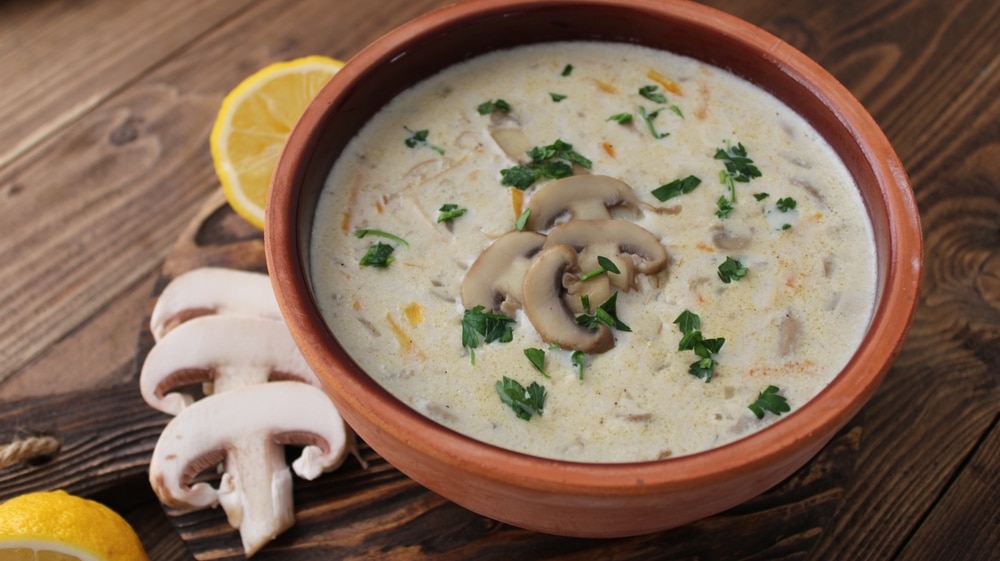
[{"x": 792, "y": 321}]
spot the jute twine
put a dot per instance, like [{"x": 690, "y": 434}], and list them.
[{"x": 27, "y": 449}]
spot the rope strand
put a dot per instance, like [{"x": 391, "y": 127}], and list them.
[{"x": 26, "y": 449}]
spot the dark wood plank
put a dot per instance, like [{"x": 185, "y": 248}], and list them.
[
  {"x": 68, "y": 57},
  {"x": 954, "y": 530}
]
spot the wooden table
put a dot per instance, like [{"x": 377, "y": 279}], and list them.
[{"x": 105, "y": 110}]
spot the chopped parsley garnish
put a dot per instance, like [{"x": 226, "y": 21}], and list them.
[
  {"x": 761, "y": 196},
  {"x": 487, "y": 107},
  {"x": 648, "y": 119},
  {"x": 769, "y": 401},
  {"x": 526, "y": 402},
  {"x": 621, "y": 118},
  {"x": 552, "y": 162},
  {"x": 676, "y": 188},
  {"x": 537, "y": 358},
  {"x": 522, "y": 220},
  {"x": 786, "y": 226},
  {"x": 606, "y": 313},
  {"x": 419, "y": 138},
  {"x": 649, "y": 92},
  {"x": 449, "y": 211},
  {"x": 692, "y": 340},
  {"x": 605, "y": 266},
  {"x": 786, "y": 204},
  {"x": 491, "y": 327},
  {"x": 731, "y": 270},
  {"x": 567, "y": 70},
  {"x": 677, "y": 111},
  {"x": 378, "y": 256},
  {"x": 738, "y": 169},
  {"x": 557, "y": 97},
  {"x": 578, "y": 358},
  {"x": 362, "y": 232},
  {"x": 724, "y": 206}
]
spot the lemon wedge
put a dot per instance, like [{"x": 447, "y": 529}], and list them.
[
  {"x": 253, "y": 123},
  {"x": 57, "y": 526}
]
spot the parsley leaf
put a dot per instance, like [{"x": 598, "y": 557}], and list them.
[
  {"x": 362, "y": 232},
  {"x": 769, "y": 401},
  {"x": 676, "y": 188},
  {"x": 557, "y": 97},
  {"x": 761, "y": 196},
  {"x": 692, "y": 340},
  {"x": 648, "y": 119},
  {"x": 786, "y": 204},
  {"x": 578, "y": 358},
  {"x": 649, "y": 92},
  {"x": 738, "y": 169},
  {"x": 487, "y": 107},
  {"x": 677, "y": 111},
  {"x": 731, "y": 270},
  {"x": 492, "y": 327},
  {"x": 552, "y": 162},
  {"x": 567, "y": 70},
  {"x": 526, "y": 402},
  {"x": 419, "y": 138},
  {"x": 606, "y": 266},
  {"x": 537, "y": 358},
  {"x": 621, "y": 118},
  {"x": 378, "y": 256},
  {"x": 522, "y": 220},
  {"x": 606, "y": 313},
  {"x": 449, "y": 212}
]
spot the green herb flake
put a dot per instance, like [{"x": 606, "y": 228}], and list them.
[
  {"x": 786, "y": 204},
  {"x": 557, "y": 97},
  {"x": 692, "y": 339},
  {"x": 649, "y": 92},
  {"x": 648, "y": 119},
  {"x": 677, "y": 111},
  {"x": 487, "y": 107},
  {"x": 378, "y": 255},
  {"x": 605, "y": 266},
  {"x": 606, "y": 313},
  {"x": 525, "y": 402},
  {"x": 724, "y": 207},
  {"x": 522, "y": 220},
  {"x": 567, "y": 70},
  {"x": 761, "y": 196},
  {"x": 491, "y": 327},
  {"x": 738, "y": 168},
  {"x": 731, "y": 270},
  {"x": 553, "y": 161},
  {"x": 770, "y": 401},
  {"x": 537, "y": 359},
  {"x": 676, "y": 188},
  {"x": 449, "y": 212},
  {"x": 621, "y": 118},
  {"x": 419, "y": 138},
  {"x": 362, "y": 232},
  {"x": 578, "y": 358}
]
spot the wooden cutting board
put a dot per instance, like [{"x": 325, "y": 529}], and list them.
[{"x": 106, "y": 439}]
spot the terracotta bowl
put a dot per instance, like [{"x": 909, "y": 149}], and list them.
[{"x": 559, "y": 497}]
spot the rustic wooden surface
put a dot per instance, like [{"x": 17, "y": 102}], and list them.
[{"x": 105, "y": 110}]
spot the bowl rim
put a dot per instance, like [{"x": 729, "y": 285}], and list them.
[{"x": 810, "y": 426}]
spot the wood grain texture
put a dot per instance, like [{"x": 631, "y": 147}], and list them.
[{"x": 100, "y": 176}]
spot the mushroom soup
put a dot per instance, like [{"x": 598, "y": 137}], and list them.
[{"x": 594, "y": 252}]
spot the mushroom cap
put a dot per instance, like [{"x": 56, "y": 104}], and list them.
[
  {"x": 231, "y": 351},
  {"x": 583, "y": 197},
  {"x": 494, "y": 280},
  {"x": 620, "y": 236},
  {"x": 549, "y": 313},
  {"x": 212, "y": 290},
  {"x": 214, "y": 428}
]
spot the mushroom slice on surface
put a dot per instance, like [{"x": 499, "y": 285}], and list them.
[
  {"x": 630, "y": 246},
  {"x": 582, "y": 197},
  {"x": 248, "y": 429},
  {"x": 228, "y": 351},
  {"x": 547, "y": 310},
  {"x": 494, "y": 281},
  {"x": 212, "y": 290}
]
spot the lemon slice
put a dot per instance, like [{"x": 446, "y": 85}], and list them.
[
  {"x": 57, "y": 526},
  {"x": 253, "y": 123}
]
